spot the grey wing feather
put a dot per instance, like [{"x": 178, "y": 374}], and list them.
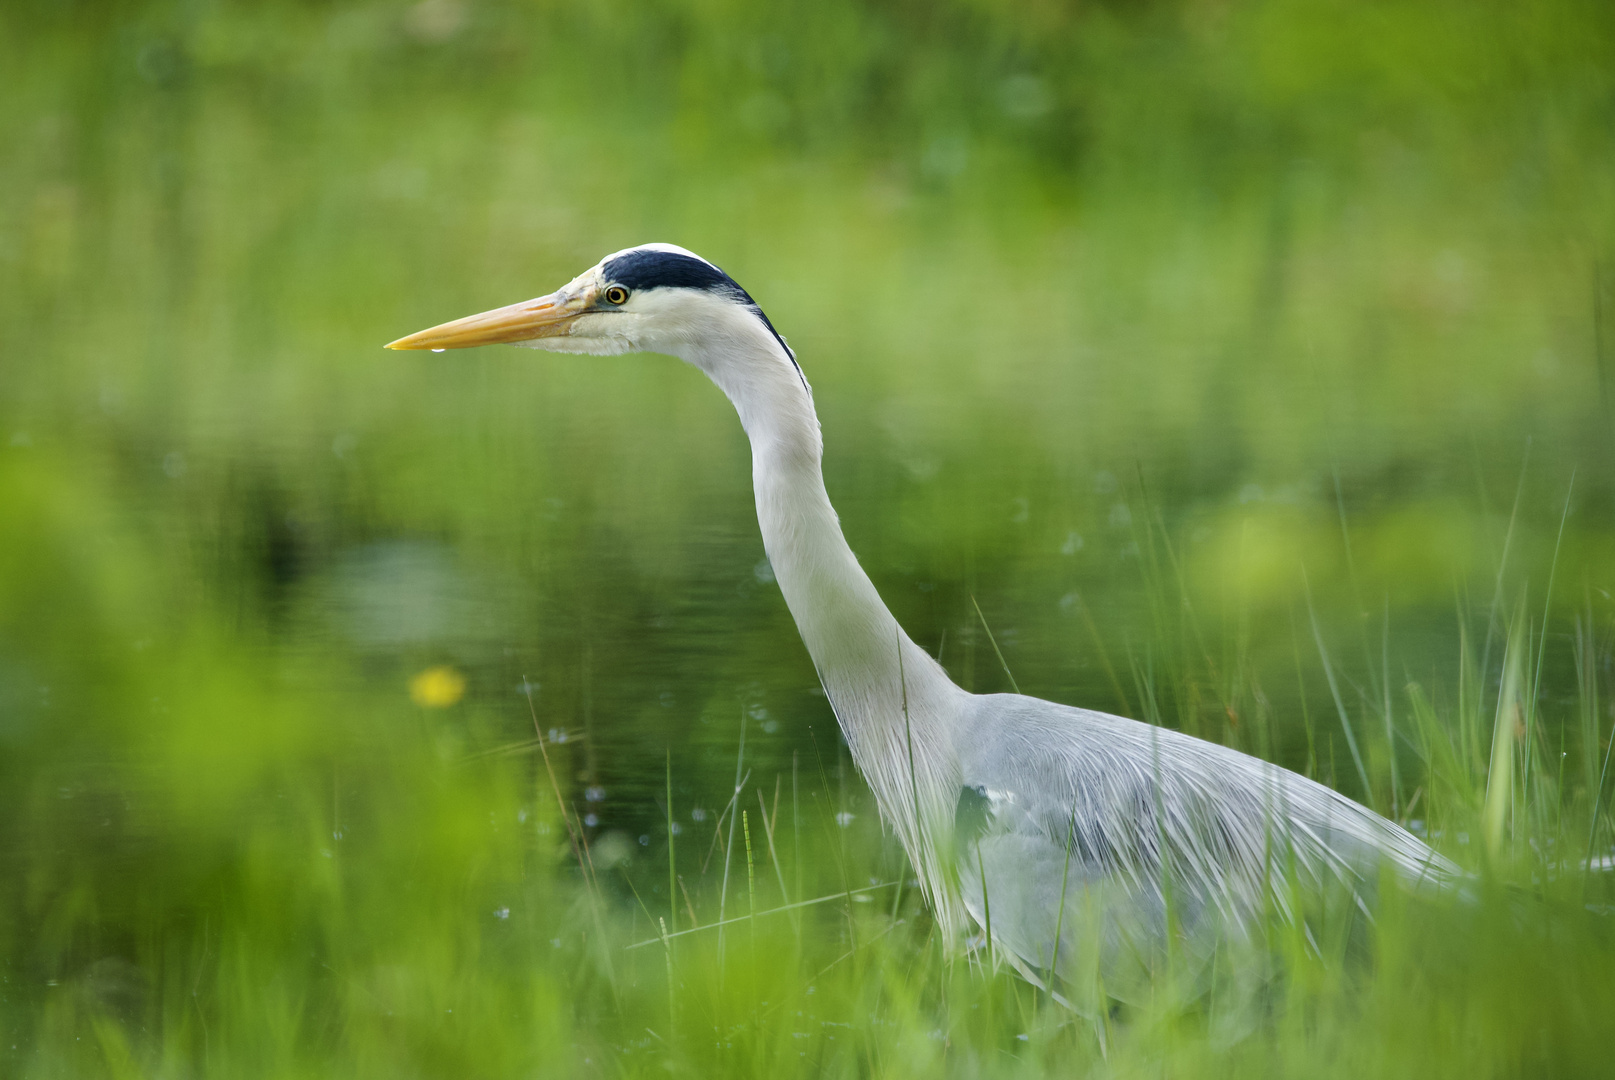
[{"x": 1082, "y": 837}]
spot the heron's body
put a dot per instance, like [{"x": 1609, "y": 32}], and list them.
[{"x": 1084, "y": 840}]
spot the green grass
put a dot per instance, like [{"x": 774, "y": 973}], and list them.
[
  {"x": 1243, "y": 368},
  {"x": 437, "y": 918}
]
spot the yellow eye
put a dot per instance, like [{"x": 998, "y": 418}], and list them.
[{"x": 616, "y": 295}]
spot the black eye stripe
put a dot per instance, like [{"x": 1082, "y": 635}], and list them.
[{"x": 646, "y": 268}]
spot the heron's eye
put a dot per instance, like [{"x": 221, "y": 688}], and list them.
[{"x": 616, "y": 294}]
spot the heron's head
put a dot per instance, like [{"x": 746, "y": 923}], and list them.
[{"x": 651, "y": 298}]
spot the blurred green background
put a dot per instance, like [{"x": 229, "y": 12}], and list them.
[{"x": 1250, "y": 363}]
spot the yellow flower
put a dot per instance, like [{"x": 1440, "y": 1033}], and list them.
[{"x": 437, "y": 687}]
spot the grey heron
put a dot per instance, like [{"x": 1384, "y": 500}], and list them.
[{"x": 1080, "y": 842}]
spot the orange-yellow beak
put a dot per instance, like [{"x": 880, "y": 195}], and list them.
[{"x": 547, "y": 316}]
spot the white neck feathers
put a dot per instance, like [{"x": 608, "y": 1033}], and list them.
[{"x": 895, "y": 704}]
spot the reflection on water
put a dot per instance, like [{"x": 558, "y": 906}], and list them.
[{"x": 394, "y": 595}]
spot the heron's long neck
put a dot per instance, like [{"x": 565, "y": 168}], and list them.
[
  {"x": 895, "y": 704},
  {"x": 880, "y": 683}
]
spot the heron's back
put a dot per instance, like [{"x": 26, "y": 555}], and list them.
[{"x": 1113, "y": 836}]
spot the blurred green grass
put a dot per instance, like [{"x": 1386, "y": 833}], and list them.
[{"x": 1160, "y": 329}]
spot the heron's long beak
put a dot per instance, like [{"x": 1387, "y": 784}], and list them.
[{"x": 547, "y": 316}]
